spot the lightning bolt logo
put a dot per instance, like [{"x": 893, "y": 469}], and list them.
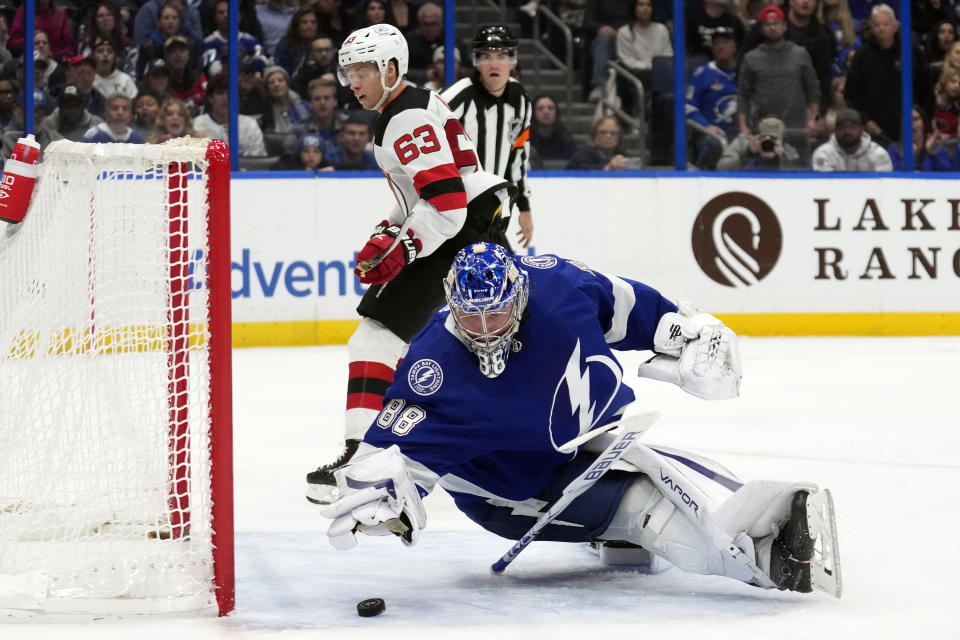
[{"x": 577, "y": 383}]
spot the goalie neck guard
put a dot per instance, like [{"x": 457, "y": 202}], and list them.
[
  {"x": 379, "y": 43},
  {"x": 487, "y": 294}
]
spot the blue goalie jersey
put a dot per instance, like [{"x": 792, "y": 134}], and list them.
[{"x": 497, "y": 440}]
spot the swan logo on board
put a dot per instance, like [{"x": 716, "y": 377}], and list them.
[{"x": 736, "y": 239}]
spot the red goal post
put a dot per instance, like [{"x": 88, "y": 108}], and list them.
[{"x": 116, "y": 491}]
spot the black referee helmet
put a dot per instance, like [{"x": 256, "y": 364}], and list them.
[{"x": 495, "y": 36}]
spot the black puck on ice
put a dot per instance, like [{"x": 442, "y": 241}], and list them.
[{"x": 371, "y": 607}]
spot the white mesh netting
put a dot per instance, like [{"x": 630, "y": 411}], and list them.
[{"x": 104, "y": 384}]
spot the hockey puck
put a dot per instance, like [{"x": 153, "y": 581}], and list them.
[{"x": 371, "y": 607}]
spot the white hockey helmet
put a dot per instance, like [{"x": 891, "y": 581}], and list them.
[{"x": 379, "y": 43}]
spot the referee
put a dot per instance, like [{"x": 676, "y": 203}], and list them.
[{"x": 495, "y": 112}]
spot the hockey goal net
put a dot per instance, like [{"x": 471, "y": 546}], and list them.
[{"x": 115, "y": 402}]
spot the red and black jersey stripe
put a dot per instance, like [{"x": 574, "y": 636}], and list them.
[{"x": 368, "y": 383}]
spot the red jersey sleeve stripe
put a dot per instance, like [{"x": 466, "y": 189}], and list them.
[
  {"x": 434, "y": 174},
  {"x": 362, "y": 369},
  {"x": 449, "y": 201}
]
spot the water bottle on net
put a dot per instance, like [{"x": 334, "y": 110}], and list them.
[{"x": 18, "y": 180}]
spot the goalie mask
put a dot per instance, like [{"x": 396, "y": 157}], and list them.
[
  {"x": 487, "y": 294},
  {"x": 379, "y": 43}
]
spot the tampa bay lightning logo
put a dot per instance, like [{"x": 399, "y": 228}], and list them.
[
  {"x": 425, "y": 377},
  {"x": 585, "y": 390},
  {"x": 539, "y": 262}
]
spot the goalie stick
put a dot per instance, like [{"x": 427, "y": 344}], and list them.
[{"x": 633, "y": 428}]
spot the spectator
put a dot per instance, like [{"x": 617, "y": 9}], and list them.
[
  {"x": 929, "y": 154},
  {"x": 116, "y": 124},
  {"x": 766, "y": 151},
  {"x": 50, "y": 18},
  {"x": 71, "y": 119},
  {"x": 873, "y": 83},
  {"x": 145, "y": 109},
  {"x": 169, "y": 20},
  {"x": 404, "y": 15},
  {"x": 320, "y": 61},
  {"x": 947, "y": 101},
  {"x": 352, "y": 154},
  {"x": 939, "y": 42},
  {"x": 850, "y": 148},
  {"x": 215, "y": 45},
  {"x": 274, "y": 17},
  {"x": 173, "y": 121},
  {"x": 704, "y": 20},
  {"x": 712, "y": 101},
  {"x": 334, "y": 19},
  {"x": 214, "y": 124},
  {"x": 605, "y": 151},
  {"x": 254, "y": 100},
  {"x": 836, "y": 16},
  {"x": 156, "y": 80},
  {"x": 249, "y": 22},
  {"x": 828, "y": 121},
  {"x": 186, "y": 82},
  {"x": 110, "y": 79},
  {"x": 777, "y": 79},
  {"x": 81, "y": 72},
  {"x": 424, "y": 41},
  {"x": 323, "y": 120},
  {"x": 548, "y": 135},
  {"x": 105, "y": 23},
  {"x": 309, "y": 156},
  {"x": 437, "y": 73},
  {"x": 804, "y": 29},
  {"x": 286, "y": 108},
  {"x": 14, "y": 130},
  {"x": 7, "y": 92},
  {"x": 373, "y": 12},
  {"x": 54, "y": 77},
  {"x": 602, "y": 19},
  {"x": 293, "y": 50},
  {"x": 637, "y": 44},
  {"x": 925, "y": 14},
  {"x": 147, "y": 19},
  {"x": 950, "y": 61}
]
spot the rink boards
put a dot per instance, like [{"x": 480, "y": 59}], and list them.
[{"x": 771, "y": 255}]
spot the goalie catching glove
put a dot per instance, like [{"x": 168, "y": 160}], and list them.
[
  {"x": 378, "y": 497},
  {"x": 697, "y": 352},
  {"x": 382, "y": 258}
]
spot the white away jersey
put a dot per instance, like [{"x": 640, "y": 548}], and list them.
[
  {"x": 498, "y": 439},
  {"x": 422, "y": 150}
]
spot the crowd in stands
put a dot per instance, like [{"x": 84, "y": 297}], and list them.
[{"x": 771, "y": 84}]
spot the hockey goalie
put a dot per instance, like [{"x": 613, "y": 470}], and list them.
[{"x": 509, "y": 399}]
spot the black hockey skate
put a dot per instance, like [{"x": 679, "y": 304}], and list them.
[
  {"x": 321, "y": 484},
  {"x": 805, "y": 556}
]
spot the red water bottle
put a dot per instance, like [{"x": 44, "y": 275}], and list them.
[{"x": 19, "y": 177}]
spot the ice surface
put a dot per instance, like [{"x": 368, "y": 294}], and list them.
[{"x": 874, "y": 419}]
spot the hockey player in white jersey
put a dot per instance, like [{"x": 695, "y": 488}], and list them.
[
  {"x": 445, "y": 201},
  {"x": 498, "y": 400}
]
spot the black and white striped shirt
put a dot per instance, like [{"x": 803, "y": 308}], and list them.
[{"x": 499, "y": 127}]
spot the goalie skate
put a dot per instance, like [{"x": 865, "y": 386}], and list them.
[{"x": 806, "y": 554}]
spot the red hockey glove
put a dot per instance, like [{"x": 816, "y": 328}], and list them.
[{"x": 376, "y": 263}]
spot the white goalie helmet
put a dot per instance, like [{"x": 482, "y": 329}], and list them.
[{"x": 379, "y": 43}]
